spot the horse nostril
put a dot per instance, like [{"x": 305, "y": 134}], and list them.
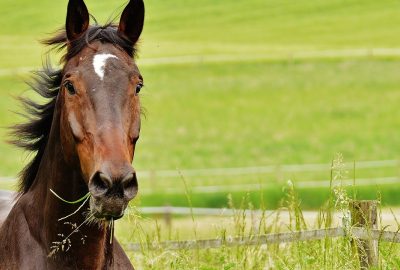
[
  {"x": 130, "y": 185},
  {"x": 100, "y": 184},
  {"x": 107, "y": 182}
]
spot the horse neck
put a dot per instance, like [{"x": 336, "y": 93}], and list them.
[{"x": 56, "y": 174}]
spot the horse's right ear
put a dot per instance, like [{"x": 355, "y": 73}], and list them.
[{"x": 77, "y": 19}]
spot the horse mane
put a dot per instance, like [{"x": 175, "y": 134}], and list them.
[{"x": 34, "y": 134}]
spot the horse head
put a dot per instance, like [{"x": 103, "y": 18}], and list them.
[{"x": 100, "y": 108}]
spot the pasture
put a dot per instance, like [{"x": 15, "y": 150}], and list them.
[
  {"x": 275, "y": 83},
  {"x": 233, "y": 84}
]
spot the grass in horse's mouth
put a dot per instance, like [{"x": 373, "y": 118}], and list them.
[
  {"x": 93, "y": 220},
  {"x": 101, "y": 222},
  {"x": 90, "y": 219}
]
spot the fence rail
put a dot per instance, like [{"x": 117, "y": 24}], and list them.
[
  {"x": 213, "y": 58},
  {"x": 265, "y": 169},
  {"x": 314, "y": 167},
  {"x": 319, "y": 183},
  {"x": 226, "y": 212},
  {"x": 309, "y": 235},
  {"x": 257, "y": 187}
]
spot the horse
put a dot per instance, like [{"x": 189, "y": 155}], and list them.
[{"x": 83, "y": 141}]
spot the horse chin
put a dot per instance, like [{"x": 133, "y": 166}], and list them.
[
  {"x": 101, "y": 212},
  {"x": 105, "y": 217}
]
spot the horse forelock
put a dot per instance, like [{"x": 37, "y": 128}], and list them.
[{"x": 107, "y": 34}]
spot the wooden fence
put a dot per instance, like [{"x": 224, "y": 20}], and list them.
[
  {"x": 360, "y": 229},
  {"x": 309, "y": 235}
]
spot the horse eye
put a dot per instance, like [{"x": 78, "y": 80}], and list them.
[
  {"x": 139, "y": 87},
  {"x": 70, "y": 88}
]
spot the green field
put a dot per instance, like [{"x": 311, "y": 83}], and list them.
[
  {"x": 237, "y": 84},
  {"x": 232, "y": 84}
]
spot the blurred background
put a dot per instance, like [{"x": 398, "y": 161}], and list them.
[{"x": 240, "y": 96}]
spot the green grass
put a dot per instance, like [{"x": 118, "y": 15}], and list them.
[
  {"x": 328, "y": 253},
  {"x": 271, "y": 108},
  {"x": 239, "y": 113},
  {"x": 249, "y": 114},
  {"x": 270, "y": 113},
  {"x": 311, "y": 198},
  {"x": 207, "y": 27}
]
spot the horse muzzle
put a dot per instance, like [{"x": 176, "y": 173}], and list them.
[{"x": 111, "y": 195}]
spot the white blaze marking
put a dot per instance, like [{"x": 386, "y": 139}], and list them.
[{"x": 99, "y": 61}]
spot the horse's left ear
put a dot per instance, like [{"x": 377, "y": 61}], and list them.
[{"x": 132, "y": 19}]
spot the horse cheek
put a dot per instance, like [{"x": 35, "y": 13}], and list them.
[{"x": 67, "y": 142}]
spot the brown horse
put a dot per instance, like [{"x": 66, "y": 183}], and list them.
[{"x": 84, "y": 141}]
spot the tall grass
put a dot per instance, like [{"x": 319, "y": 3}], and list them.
[{"x": 327, "y": 253}]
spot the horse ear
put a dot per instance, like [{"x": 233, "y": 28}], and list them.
[
  {"x": 77, "y": 19},
  {"x": 132, "y": 19}
]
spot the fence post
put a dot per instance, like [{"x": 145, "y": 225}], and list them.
[
  {"x": 168, "y": 216},
  {"x": 364, "y": 214}
]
